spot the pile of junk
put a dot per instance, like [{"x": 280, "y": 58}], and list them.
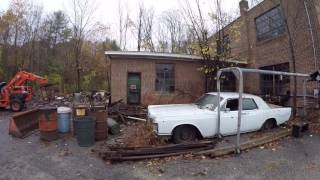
[{"x": 86, "y": 122}]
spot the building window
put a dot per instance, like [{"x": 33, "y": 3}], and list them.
[
  {"x": 165, "y": 78},
  {"x": 270, "y": 24},
  {"x": 275, "y": 85},
  {"x": 224, "y": 46}
]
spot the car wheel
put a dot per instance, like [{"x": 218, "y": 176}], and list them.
[
  {"x": 16, "y": 105},
  {"x": 268, "y": 125},
  {"x": 184, "y": 134}
]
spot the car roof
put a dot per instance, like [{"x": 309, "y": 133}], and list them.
[{"x": 228, "y": 95}]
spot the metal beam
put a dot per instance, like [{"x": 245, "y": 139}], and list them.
[{"x": 259, "y": 71}]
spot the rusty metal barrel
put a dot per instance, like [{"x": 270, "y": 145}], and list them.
[
  {"x": 101, "y": 130},
  {"x": 48, "y": 124}
]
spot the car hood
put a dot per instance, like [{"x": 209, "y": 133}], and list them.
[{"x": 156, "y": 111}]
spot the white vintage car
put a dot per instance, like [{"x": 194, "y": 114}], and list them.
[{"x": 187, "y": 122}]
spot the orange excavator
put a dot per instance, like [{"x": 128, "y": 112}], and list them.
[{"x": 13, "y": 95}]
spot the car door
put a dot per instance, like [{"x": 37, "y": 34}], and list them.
[
  {"x": 229, "y": 116},
  {"x": 250, "y": 120}
]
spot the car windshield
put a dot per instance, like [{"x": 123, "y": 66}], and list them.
[{"x": 208, "y": 101}]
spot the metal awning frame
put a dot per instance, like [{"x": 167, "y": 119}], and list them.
[{"x": 238, "y": 72}]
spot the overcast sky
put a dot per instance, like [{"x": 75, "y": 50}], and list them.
[{"x": 107, "y": 10}]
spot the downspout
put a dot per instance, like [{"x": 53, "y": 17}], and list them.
[
  {"x": 312, "y": 36},
  {"x": 313, "y": 45}
]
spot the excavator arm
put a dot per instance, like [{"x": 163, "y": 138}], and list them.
[{"x": 22, "y": 76}]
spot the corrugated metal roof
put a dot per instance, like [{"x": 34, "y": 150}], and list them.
[{"x": 155, "y": 56}]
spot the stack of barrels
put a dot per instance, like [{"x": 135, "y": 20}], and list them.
[{"x": 90, "y": 125}]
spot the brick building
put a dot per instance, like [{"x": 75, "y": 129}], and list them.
[
  {"x": 260, "y": 37},
  {"x": 156, "y": 78}
]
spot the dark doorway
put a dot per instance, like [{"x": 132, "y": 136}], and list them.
[{"x": 134, "y": 88}]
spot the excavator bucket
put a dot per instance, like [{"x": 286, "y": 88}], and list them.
[{"x": 23, "y": 123}]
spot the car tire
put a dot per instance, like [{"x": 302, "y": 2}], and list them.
[
  {"x": 16, "y": 105},
  {"x": 268, "y": 125},
  {"x": 184, "y": 134}
]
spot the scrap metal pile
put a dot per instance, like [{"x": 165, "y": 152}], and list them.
[
  {"x": 125, "y": 112},
  {"x": 116, "y": 154}
]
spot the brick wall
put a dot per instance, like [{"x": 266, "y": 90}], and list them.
[
  {"x": 317, "y": 7},
  {"x": 276, "y": 50},
  {"x": 189, "y": 82}
]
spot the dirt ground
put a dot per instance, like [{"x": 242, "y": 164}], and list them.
[{"x": 31, "y": 158}]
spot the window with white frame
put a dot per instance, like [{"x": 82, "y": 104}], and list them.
[{"x": 270, "y": 24}]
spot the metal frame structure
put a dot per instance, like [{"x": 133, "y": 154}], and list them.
[{"x": 238, "y": 72}]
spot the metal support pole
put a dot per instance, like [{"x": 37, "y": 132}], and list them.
[
  {"x": 240, "y": 77},
  {"x": 219, "y": 106},
  {"x": 304, "y": 97}
]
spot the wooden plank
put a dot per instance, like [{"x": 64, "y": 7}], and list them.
[
  {"x": 147, "y": 156},
  {"x": 246, "y": 145},
  {"x": 137, "y": 119}
]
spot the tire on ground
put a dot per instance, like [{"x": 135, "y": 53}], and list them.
[
  {"x": 269, "y": 124},
  {"x": 184, "y": 134},
  {"x": 16, "y": 105}
]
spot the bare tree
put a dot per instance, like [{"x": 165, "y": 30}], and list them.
[
  {"x": 162, "y": 38},
  {"x": 143, "y": 28},
  {"x": 147, "y": 30},
  {"x": 173, "y": 25},
  {"x": 199, "y": 30},
  {"x": 82, "y": 25},
  {"x": 124, "y": 24},
  {"x": 33, "y": 20},
  {"x": 18, "y": 10},
  {"x": 138, "y": 25}
]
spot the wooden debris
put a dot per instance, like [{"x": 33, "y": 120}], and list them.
[
  {"x": 138, "y": 119},
  {"x": 246, "y": 145},
  {"x": 139, "y": 153}
]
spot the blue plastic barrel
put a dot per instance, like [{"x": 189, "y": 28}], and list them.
[{"x": 64, "y": 117}]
